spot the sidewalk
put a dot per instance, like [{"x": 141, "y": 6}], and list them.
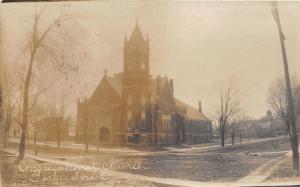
[{"x": 262, "y": 172}]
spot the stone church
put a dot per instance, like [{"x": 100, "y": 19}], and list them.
[{"x": 132, "y": 107}]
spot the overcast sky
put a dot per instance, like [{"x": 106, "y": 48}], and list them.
[{"x": 198, "y": 44}]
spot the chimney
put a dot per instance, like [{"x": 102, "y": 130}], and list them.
[
  {"x": 171, "y": 86},
  {"x": 199, "y": 106}
]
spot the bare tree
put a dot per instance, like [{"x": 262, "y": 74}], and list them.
[
  {"x": 39, "y": 47},
  {"x": 277, "y": 100},
  {"x": 3, "y": 122},
  {"x": 57, "y": 112},
  {"x": 86, "y": 130},
  {"x": 291, "y": 119},
  {"x": 229, "y": 106},
  {"x": 10, "y": 88},
  {"x": 37, "y": 113},
  {"x": 238, "y": 122}
]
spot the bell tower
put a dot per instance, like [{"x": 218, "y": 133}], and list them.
[
  {"x": 136, "y": 84},
  {"x": 136, "y": 53}
]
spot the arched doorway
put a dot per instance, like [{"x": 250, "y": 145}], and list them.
[{"x": 104, "y": 136}]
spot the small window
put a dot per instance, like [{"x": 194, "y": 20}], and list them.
[
  {"x": 129, "y": 115},
  {"x": 130, "y": 67},
  {"x": 143, "y": 124},
  {"x": 143, "y": 100},
  {"x": 129, "y": 124},
  {"x": 129, "y": 100},
  {"x": 143, "y": 65},
  {"x": 143, "y": 115}
]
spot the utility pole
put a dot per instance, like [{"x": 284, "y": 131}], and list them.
[
  {"x": 291, "y": 119},
  {"x": 2, "y": 128}
]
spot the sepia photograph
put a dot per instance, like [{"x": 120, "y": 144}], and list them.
[{"x": 149, "y": 93}]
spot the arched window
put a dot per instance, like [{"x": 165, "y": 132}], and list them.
[{"x": 129, "y": 100}]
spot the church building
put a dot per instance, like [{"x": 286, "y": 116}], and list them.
[{"x": 133, "y": 107}]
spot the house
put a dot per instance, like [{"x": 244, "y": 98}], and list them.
[
  {"x": 267, "y": 126},
  {"x": 48, "y": 129}
]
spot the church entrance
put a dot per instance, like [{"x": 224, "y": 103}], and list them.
[{"x": 104, "y": 136}]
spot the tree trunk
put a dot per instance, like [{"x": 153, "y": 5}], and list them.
[
  {"x": 222, "y": 139},
  {"x": 5, "y": 133},
  {"x": 222, "y": 132},
  {"x": 155, "y": 124},
  {"x": 22, "y": 145},
  {"x": 24, "y": 124},
  {"x": 86, "y": 142},
  {"x": 86, "y": 139},
  {"x": 34, "y": 139},
  {"x": 232, "y": 134},
  {"x": 58, "y": 134}
]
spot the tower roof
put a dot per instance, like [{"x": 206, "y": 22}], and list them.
[{"x": 136, "y": 35}]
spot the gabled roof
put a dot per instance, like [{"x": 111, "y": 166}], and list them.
[
  {"x": 116, "y": 83},
  {"x": 189, "y": 112}
]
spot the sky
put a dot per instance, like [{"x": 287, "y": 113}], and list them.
[{"x": 198, "y": 44}]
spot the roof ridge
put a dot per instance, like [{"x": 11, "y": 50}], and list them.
[{"x": 192, "y": 108}]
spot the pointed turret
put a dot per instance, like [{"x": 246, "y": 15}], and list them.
[
  {"x": 136, "y": 36},
  {"x": 136, "y": 52},
  {"x": 125, "y": 40}
]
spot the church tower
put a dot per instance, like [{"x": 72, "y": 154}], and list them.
[
  {"x": 136, "y": 54},
  {"x": 136, "y": 85}
]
